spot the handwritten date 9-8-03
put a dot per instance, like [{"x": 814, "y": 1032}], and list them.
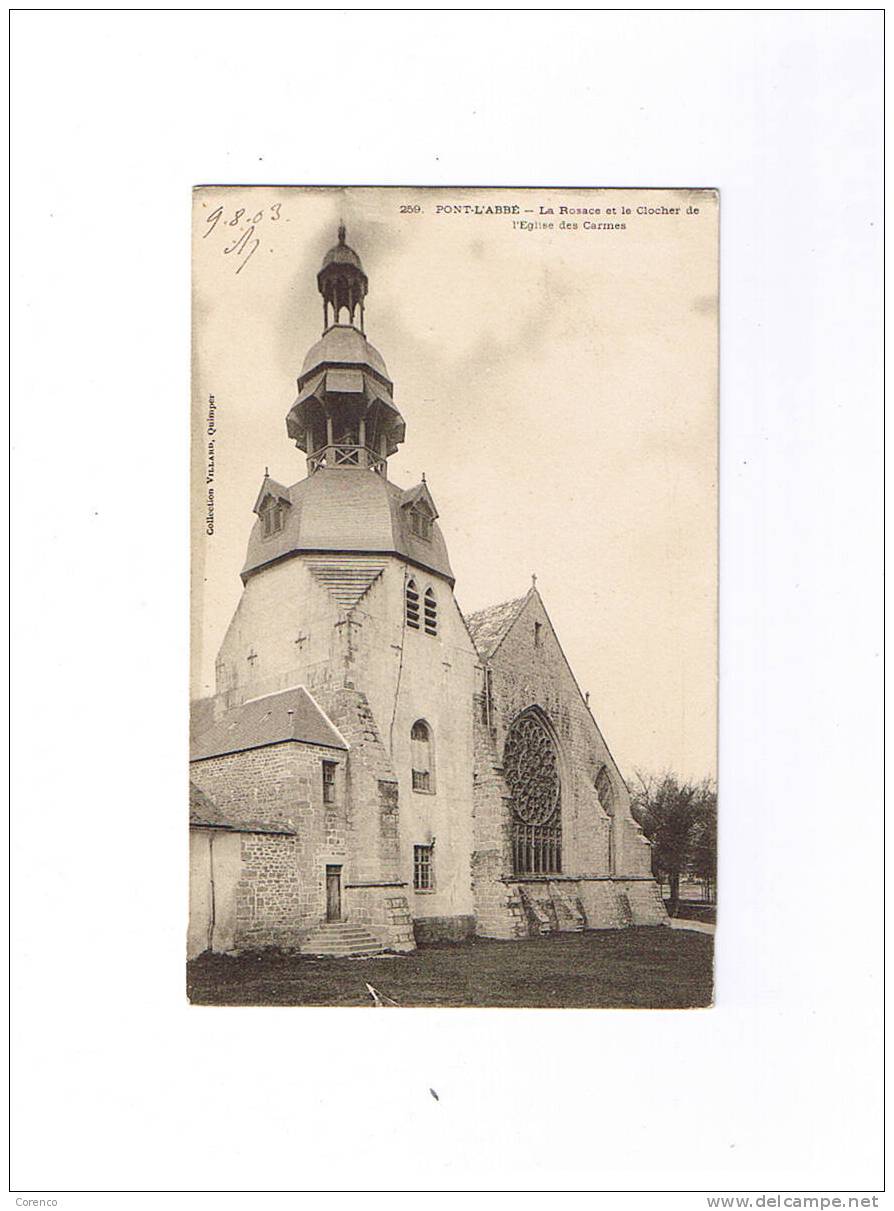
[{"x": 243, "y": 242}]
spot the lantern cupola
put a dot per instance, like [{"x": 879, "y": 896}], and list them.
[
  {"x": 344, "y": 415},
  {"x": 342, "y": 283}
]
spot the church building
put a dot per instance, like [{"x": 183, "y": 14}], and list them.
[{"x": 375, "y": 769}]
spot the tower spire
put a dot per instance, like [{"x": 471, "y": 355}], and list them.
[{"x": 342, "y": 283}]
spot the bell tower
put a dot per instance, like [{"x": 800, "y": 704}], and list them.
[{"x": 345, "y": 414}]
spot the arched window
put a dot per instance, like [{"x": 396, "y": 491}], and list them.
[
  {"x": 531, "y": 770},
  {"x": 412, "y": 605},
  {"x": 421, "y": 756},
  {"x": 605, "y": 791},
  {"x": 431, "y": 612}
]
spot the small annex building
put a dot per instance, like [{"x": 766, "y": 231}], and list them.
[{"x": 374, "y": 769}]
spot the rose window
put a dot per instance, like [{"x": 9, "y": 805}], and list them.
[{"x": 531, "y": 770}]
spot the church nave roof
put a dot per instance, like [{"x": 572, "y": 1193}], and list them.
[{"x": 488, "y": 627}]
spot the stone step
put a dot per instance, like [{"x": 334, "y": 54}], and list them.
[
  {"x": 347, "y": 952},
  {"x": 340, "y": 926},
  {"x": 341, "y": 939},
  {"x": 341, "y": 952},
  {"x": 338, "y": 935}
]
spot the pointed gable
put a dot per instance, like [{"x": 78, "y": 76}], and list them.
[
  {"x": 535, "y": 650},
  {"x": 276, "y": 491},
  {"x": 420, "y": 496},
  {"x": 419, "y": 512}
]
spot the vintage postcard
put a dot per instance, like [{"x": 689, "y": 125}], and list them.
[{"x": 454, "y": 640}]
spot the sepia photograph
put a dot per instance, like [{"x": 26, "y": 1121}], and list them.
[
  {"x": 447, "y": 512},
  {"x": 454, "y": 597}
]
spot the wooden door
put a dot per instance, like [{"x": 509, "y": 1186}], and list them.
[{"x": 333, "y": 893}]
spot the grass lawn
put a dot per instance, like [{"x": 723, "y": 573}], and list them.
[
  {"x": 646, "y": 967},
  {"x": 688, "y": 910}
]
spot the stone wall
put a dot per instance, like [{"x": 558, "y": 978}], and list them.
[
  {"x": 498, "y": 908},
  {"x": 529, "y": 668},
  {"x": 278, "y": 896},
  {"x": 214, "y": 871},
  {"x": 443, "y": 929},
  {"x": 608, "y": 854},
  {"x": 281, "y": 891},
  {"x": 374, "y": 677}
]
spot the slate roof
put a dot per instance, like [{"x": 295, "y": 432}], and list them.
[
  {"x": 288, "y": 715},
  {"x": 204, "y": 813},
  {"x": 270, "y": 487},
  {"x": 342, "y": 254},
  {"x": 350, "y": 510},
  {"x": 201, "y": 716},
  {"x": 487, "y": 627},
  {"x": 343, "y": 345}
]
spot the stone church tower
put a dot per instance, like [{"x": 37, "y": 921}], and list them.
[{"x": 375, "y": 770}]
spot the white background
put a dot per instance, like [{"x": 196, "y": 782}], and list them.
[{"x": 118, "y": 1084}]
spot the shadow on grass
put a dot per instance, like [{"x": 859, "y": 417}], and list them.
[
  {"x": 645, "y": 967},
  {"x": 689, "y": 911}
]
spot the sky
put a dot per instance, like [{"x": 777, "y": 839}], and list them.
[{"x": 559, "y": 389}]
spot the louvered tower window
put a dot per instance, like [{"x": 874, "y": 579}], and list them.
[
  {"x": 421, "y": 522},
  {"x": 412, "y": 605},
  {"x": 271, "y": 516},
  {"x": 431, "y": 613}
]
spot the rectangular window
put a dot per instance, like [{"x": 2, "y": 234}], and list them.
[
  {"x": 538, "y": 637},
  {"x": 329, "y": 781},
  {"x": 423, "y": 875},
  {"x": 421, "y": 780}
]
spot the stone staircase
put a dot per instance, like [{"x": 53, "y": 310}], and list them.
[
  {"x": 569, "y": 914},
  {"x": 536, "y": 914},
  {"x": 549, "y": 909},
  {"x": 340, "y": 940}
]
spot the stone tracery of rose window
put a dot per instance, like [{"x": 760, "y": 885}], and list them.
[{"x": 531, "y": 770}]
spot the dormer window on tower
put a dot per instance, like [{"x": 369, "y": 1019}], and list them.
[
  {"x": 271, "y": 507},
  {"x": 421, "y": 521},
  {"x": 272, "y": 516}
]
